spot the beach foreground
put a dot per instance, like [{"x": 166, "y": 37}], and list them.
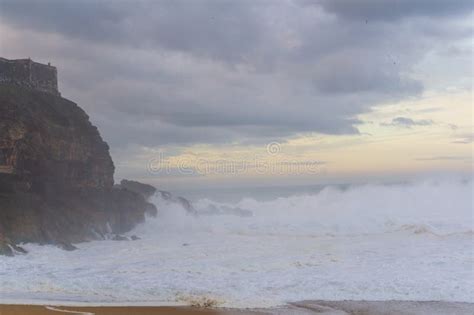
[{"x": 300, "y": 308}]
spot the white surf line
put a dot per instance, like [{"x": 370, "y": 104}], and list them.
[{"x": 67, "y": 311}]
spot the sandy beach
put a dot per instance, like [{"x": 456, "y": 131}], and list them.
[
  {"x": 122, "y": 310},
  {"x": 300, "y": 308}
]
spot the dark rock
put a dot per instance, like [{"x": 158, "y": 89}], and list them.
[
  {"x": 5, "y": 248},
  {"x": 186, "y": 204},
  {"x": 150, "y": 209},
  {"x": 135, "y": 238},
  {"x": 165, "y": 195},
  {"x": 66, "y": 246},
  {"x": 119, "y": 238},
  {"x": 19, "y": 249},
  {"x": 143, "y": 189}
]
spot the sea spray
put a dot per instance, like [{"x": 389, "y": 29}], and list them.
[
  {"x": 437, "y": 207},
  {"x": 371, "y": 242}
]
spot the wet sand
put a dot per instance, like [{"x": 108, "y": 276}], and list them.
[
  {"x": 119, "y": 310},
  {"x": 300, "y": 308}
]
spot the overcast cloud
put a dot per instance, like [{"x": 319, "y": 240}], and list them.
[{"x": 182, "y": 72}]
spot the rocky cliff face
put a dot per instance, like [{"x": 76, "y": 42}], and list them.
[
  {"x": 56, "y": 174},
  {"x": 49, "y": 141}
]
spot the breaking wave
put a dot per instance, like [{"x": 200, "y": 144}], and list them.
[
  {"x": 438, "y": 208},
  {"x": 372, "y": 242}
]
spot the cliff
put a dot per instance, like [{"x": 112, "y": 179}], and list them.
[{"x": 56, "y": 175}]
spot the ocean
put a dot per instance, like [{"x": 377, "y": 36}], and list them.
[{"x": 268, "y": 246}]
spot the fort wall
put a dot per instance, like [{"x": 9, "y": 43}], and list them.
[{"x": 34, "y": 75}]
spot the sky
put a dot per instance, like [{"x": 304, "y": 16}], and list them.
[{"x": 218, "y": 93}]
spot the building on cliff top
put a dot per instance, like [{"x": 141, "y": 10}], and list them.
[{"x": 30, "y": 74}]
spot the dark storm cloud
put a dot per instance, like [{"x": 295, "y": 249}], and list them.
[
  {"x": 225, "y": 29},
  {"x": 87, "y": 19},
  {"x": 181, "y": 72},
  {"x": 393, "y": 9},
  {"x": 355, "y": 73},
  {"x": 408, "y": 122}
]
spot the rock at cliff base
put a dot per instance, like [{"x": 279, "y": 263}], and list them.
[
  {"x": 143, "y": 189},
  {"x": 66, "y": 246},
  {"x": 19, "y": 249},
  {"x": 119, "y": 238},
  {"x": 183, "y": 202},
  {"x": 5, "y": 249}
]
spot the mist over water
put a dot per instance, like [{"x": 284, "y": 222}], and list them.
[
  {"x": 370, "y": 242},
  {"x": 437, "y": 207}
]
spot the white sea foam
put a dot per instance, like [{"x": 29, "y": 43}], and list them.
[{"x": 374, "y": 242}]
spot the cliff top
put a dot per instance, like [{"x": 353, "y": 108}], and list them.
[{"x": 31, "y": 74}]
